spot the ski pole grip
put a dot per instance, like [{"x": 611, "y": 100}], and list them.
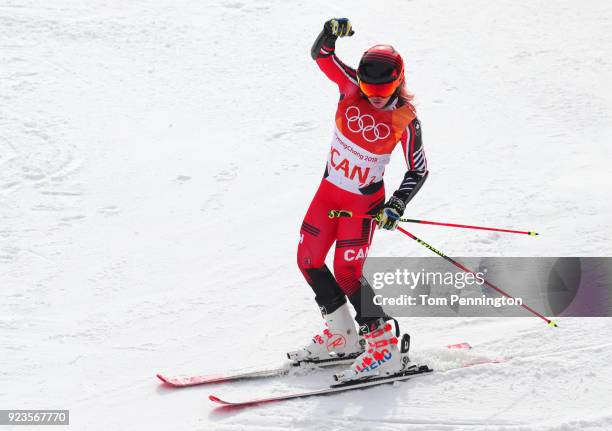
[{"x": 339, "y": 213}]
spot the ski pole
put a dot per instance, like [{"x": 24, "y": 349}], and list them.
[
  {"x": 345, "y": 213},
  {"x": 486, "y": 282}
]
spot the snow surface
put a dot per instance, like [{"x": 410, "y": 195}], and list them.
[{"x": 157, "y": 158}]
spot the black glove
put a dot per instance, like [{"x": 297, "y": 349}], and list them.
[
  {"x": 389, "y": 216},
  {"x": 339, "y": 27}
]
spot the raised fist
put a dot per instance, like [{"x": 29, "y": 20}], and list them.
[{"x": 339, "y": 27}]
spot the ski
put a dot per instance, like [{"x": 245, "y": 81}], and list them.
[
  {"x": 285, "y": 369},
  {"x": 183, "y": 381},
  {"x": 413, "y": 371},
  {"x": 340, "y": 387}
]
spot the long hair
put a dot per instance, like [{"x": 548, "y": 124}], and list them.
[{"x": 405, "y": 97}]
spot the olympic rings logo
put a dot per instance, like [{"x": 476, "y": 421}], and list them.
[{"x": 365, "y": 124}]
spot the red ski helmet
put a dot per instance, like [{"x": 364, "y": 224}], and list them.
[{"x": 380, "y": 71}]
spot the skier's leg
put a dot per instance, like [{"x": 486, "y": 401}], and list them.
[
  {"x": 380, "y": 332},
  {"x": 352, "y": 246},
  {"x": 317, "y": 234}
]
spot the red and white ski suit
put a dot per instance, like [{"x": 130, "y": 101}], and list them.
[{"x": 363, "y": 140}]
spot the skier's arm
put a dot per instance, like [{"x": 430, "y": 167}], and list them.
[
  {"x": 323, "y": 52},
  {"x": 412, "y": 144},
  {"x": 414, "y": 178}
]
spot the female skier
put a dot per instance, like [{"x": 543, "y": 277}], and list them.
[{"x": 374, "y": 113}]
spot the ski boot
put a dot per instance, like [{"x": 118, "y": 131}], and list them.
[
  {"x": 384, "y": 354},
  {"x": 339, "y": 340}
]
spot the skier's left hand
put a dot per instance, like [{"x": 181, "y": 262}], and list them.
[{"x": 389, "y": 216}]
